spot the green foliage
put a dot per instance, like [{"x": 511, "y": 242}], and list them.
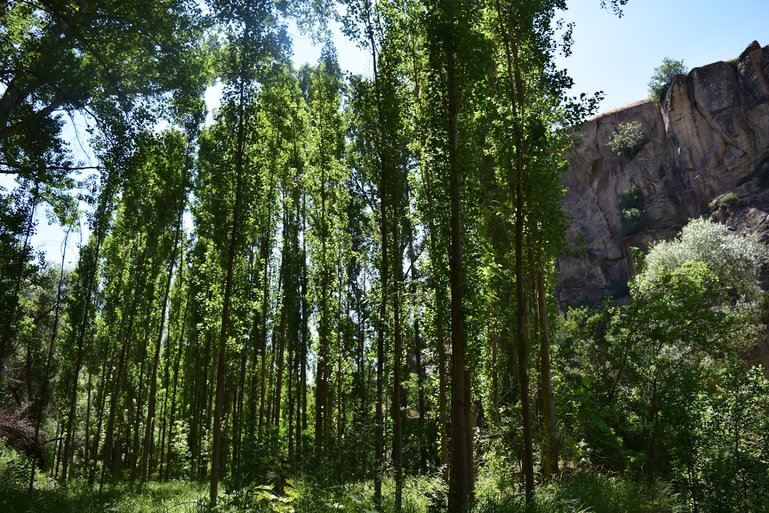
[
  {"x": 652, "y": 387},
  {"x": 48, "y": 497},
  {"x": 627, "y": 139},
  {"x": 422, "y": 494},
  {"x": 733, "y": 258},
  {"x": 721, "y": 440},
  {"x": 631, "y": 207},
  {"x": 584, "y": 492},
  {"x": 663, "y": 76},
  {"x": 725, "y": 200}
]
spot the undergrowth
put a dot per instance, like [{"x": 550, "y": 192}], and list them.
[
  {"x": 588, "y": 493},
  {"x": 77, "y": 497},
  {"x": 580, "y": 492}
]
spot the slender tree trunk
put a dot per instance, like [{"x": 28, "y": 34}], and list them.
[
  {"x": 266, "y": 247},
  {"x": 6, "y": 331},
  {"x": 550, "y": 455},
  {"x": 384, "y": 266},
  {"x": 216, "y": 443},
  {"x": 104, "y": 379},
  {"x": 397, "y": 411},
  {"x": 237, "y": 420},
  {"x": 134, "y": 455},
  {"x": 443, "y": 410},
  {"x": 49, "y": 359},
  {"x": 521, "y": 307},
  {"x": 440, "y": 337},
  {"x": 421, "y": 400},
  {"x": 89, "y": 385},
  {"x": 517, "y": 95},
  {"x": 150, "y": 422},
  {"x": 461, "y": 467},
  {"x": 59, "y": 447},
  {"x": 322, "y": 402},
  {"x": 283, "y": 327},
  {"x": 177, "y": 361},
  {"x": 301, "y": 427}
]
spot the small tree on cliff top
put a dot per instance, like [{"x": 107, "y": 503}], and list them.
[{"x": 663, "y": 76}]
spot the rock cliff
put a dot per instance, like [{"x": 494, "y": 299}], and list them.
[{"x": 705, "y": 152}]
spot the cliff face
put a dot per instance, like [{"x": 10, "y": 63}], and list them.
[{"x": 706, "y": 153}]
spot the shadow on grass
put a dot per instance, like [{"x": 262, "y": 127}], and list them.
[{"x": 175, "y": 497}]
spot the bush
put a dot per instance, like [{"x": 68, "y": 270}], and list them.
[
  {"x": 631, "y": 206},
  {"x": 627, "y": 139},
  {"x": 663, "y": 76},
  {"x": 725, "y": 200},
  {"x": 733, "y": 257}
]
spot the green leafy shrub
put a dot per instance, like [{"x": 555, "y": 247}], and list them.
[
  {"x": 663, "y": 76},
  {"x": 725, "y": 449},
  {"x": 631, "y": 206},
  {"x": 734, "y": 258},
  {"x": 627, "y": 139},
  {"x": 14, "y": 468},
  {"x": 725, "y": 200}
]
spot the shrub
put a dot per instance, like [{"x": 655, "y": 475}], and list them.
[
  {"x": 663, "y": 76},
  {"x": 627, "y": 139},
  {"x": 631, "y": 206},
  {"x": 724, "y": 200},
  {"x": 734, "y": 257}
]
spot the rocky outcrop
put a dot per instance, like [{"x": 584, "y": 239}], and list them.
[{"x": 705, "y": 153}]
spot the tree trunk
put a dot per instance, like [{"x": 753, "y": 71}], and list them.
[
  {"x": 397, "y": 410},
  {"x": 550, "y": 455},
  {"x": 461, "y": 466},
  {"x": 51, "y": 348},
  {"x": 221, "y": 364},
  {"x": 150, "y": 422}
]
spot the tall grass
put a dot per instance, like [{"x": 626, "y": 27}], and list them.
[
  {"x": 588, "y": 492},
  {"x": 580, "y": 492}
]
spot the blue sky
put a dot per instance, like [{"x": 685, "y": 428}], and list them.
[{"x": 618, "y": 55}]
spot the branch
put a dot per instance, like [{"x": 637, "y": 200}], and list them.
[
  {"x": 8, "y": 131},
  {"x": 12, "y": 168}
]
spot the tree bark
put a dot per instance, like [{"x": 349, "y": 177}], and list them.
[
  {"x": 461, "y": 464},
  {"x": 550, "y": 455},
  {"x": 216, "y": 450}
]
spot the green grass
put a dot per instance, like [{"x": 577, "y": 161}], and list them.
[
  {"x": 174, "y": 497},
  {"x": 580, "y": 492},
  {"x": 421, "y": 494},
  {"x": 588, "y": 492}
]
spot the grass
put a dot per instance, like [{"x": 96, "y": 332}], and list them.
[
  {"x": 175, "y": 497},
  {"x": 78, "y": 497},
  {"x": 589, "y": 492},
  {"x": 580, "y": 492},
  {"x": 421, "y": 494}
]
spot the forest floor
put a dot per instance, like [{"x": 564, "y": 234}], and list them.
[
  {"x": 579, "y": 493},
  {"x": 175, "y": 497}
]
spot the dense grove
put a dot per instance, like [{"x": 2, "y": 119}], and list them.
[{"x": 337, "y": 294}]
